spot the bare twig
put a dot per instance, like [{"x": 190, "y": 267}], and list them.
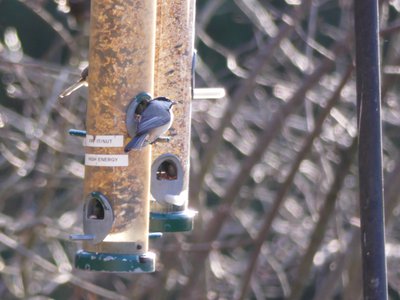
[
  {"x": 280, "y": 196},
  {"x": 272, "y": 128},
  {"x": 45, "y": 264},
  {"x": 69, "y": 41},
  {"x": 327, "y": 210},
  {"x": 241, "y": 92}
]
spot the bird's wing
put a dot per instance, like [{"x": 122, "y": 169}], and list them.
[
  {"x": 148, "y": 124},
  {"x": 137, "y": 142},
  {"x": 153, "y": 116}
]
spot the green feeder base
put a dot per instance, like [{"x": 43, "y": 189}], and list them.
[
  {"x": 110, "y": 262},
  {"x": 172, "y": 221}
]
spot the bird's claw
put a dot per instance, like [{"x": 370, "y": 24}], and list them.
[{"x": 163, "y": 139}]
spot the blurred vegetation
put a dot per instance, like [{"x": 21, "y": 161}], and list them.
[{"x": 274, "y": 172}]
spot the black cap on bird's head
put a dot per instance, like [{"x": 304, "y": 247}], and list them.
[
  {"x": 169, "y": 101},
  {"x": 162, "y": 98}
]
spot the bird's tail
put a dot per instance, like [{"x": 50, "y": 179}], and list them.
[
  {"x": 136, "y": 143},
  {"x": 68, "y": 91}
]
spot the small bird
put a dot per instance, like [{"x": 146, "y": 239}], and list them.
[
  {"x": 154, "y": 121},
  {"x": 81, "y": 82}
]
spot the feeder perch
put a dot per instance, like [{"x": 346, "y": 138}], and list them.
[{"x": 77, "y": 132}]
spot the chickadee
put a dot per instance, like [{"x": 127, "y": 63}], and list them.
[
  {"x": 154, "y": 121},
  {"x": 81, "y": 82}
]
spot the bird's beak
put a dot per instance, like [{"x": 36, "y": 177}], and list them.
[{"x": 173, "y": 103}]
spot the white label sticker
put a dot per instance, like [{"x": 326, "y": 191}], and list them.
[
  {"x": 106, "y": 160},
  {"x": 104, "y": 141}
]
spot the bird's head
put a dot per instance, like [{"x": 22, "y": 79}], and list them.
[{"x": 168, "y": 103}]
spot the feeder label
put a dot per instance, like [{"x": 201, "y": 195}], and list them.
[
  {"x": 106, "y": 160},
  {"x": 104, "y": 141}
]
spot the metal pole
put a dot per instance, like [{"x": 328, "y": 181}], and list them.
[
  {"x": 370, "y": 149},
  {"x": 117, "y": 185}
]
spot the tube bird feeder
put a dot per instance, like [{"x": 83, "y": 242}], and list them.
[
  {"x": 174, "y": 73},
  {"x": 116, "y": 184}
]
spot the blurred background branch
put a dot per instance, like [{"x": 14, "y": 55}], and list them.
[{"x": 272, "y": 172}]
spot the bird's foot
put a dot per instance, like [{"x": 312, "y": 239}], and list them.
[{"x": 163, "y": 139}]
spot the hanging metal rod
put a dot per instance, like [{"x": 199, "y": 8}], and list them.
[{"x": 370, "y": 149}]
